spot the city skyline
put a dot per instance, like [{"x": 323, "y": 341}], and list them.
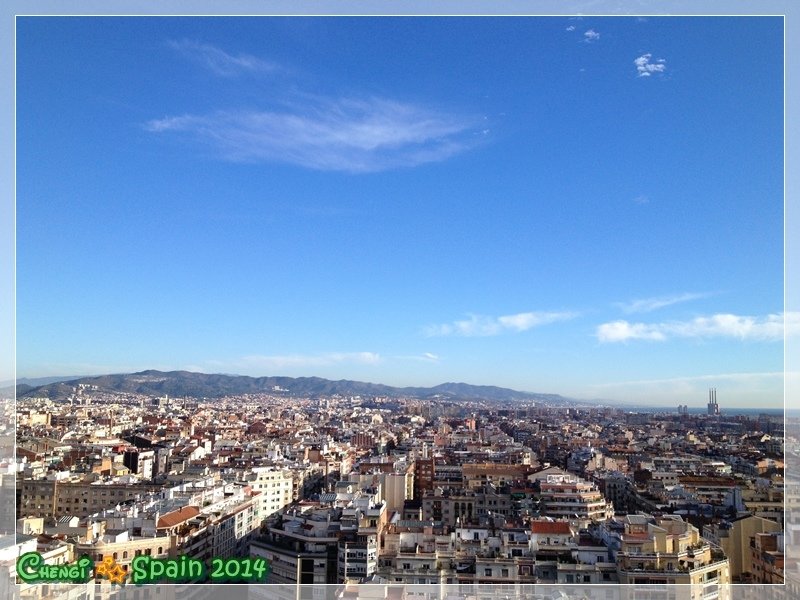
[{"x": 594, "y": 208}]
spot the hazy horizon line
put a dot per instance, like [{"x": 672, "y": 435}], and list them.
[{"x": 47, "y": 380}]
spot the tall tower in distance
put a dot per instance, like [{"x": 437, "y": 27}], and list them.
[{"x": 713, "y": 407}]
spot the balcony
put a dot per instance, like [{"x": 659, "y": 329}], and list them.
[
  {"x": 678, "y": 570},
  {"x": 564, "y": 566},
  {"x": 696, "y": 549},
  {"x": 430, "y": 572},
  {"x": 662, "y": 572}
]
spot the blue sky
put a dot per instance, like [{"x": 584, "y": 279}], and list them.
[{"x": 591, "y": 207}]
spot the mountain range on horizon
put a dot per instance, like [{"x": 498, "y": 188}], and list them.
[{"x": 204, "y": 385}]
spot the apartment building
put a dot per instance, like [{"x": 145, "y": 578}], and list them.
[
  {"x": 668, "y": 550},
  {"x": 734, "y": 538},
  {"x": 767, "y": 552},
  {"x": 477, "y": 475},
  {"x": 453, "y": 507},
  {"x": 276, "y": 488},
  {"x": 54, "y": 498},
  {"x": 568, "y": 497},
  {"x": 301, "y": 548}
]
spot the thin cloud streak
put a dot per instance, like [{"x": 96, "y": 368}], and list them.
[
  {"x": 220, "y": 62},
  {"x": 351, "y": 135},
  {"x": 297, "y": 361},
  {"x": 483, "y": 326},
  {"x": 428, "y": 357},
  {"x": 769, "y": 328},
  {"x": 85, "y": 369},
  {"x": 650, "y": 304},
  {"x": 737, "y": 389},
  {"x": 321, "y": 360},
  {"x": 735, "y": 377}
]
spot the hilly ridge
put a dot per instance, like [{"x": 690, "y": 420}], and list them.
[{"x": 204, "y": 385}]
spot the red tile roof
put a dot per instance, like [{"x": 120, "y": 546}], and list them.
[
  {"x": 560, "y": 527},
  {"x": 176, "y": 517}
]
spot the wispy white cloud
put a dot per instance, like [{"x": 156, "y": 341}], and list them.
[
  {"x": 571, "y": 28},
  {"x": 351, "y": 135},
  {"x": 734, "y": 377},
  {"x": 641, "y": 199},
  {"x": 651, "y": 304},
  {"x": 645, "y": 68},
  {"x": 478, "y": 325},
  {"x": 771, "y": 327},
  {"x": 83, "y": 369},
  {"x": 735, "y": 389},
  {"x": 621, "y": 331},
  {"x": 591, "y": 36},
  {"x": 361, "y": 358},
  {"x": 261, "y": 363},
  {"x": 220, "y": 62},
  {"x": 424, "y": 357}
]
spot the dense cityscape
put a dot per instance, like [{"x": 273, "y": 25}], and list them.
[
  {"x": 352, "y": 214},
  {"x": 401, "y": 491}
]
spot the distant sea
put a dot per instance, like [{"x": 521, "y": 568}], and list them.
[{"x": 701, "y": 410}]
